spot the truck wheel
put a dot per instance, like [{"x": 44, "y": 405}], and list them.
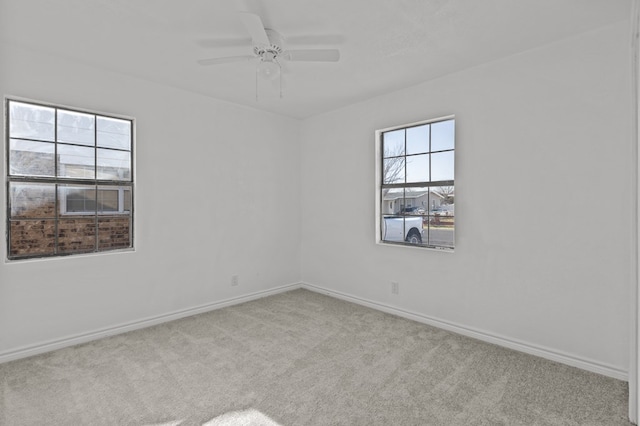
[{"x": 413, "y": 237}]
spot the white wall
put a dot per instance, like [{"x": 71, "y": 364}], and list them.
[
  {"x": 216, "y": 194},
  {"x": 549, "y": 124},
  {"x": 540, "y": 258}
]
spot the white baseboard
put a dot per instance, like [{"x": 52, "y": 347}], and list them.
[
  {"x": 77, "y": 339},
  {"x": 528, "y": 348}
]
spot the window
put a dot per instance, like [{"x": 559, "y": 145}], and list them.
[
  {"x": 415, "y": 189},
  {"x": 109, "y": 200},
  {"x": 69, "y": 181}
]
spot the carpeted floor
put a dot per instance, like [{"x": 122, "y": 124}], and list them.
[{"x": 301, "y": 358}]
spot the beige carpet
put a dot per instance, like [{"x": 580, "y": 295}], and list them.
[{"x": 301, "y": 358}]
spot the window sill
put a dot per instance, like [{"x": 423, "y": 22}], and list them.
[
  {"x": 415, "y": 247},
  {"x": 26, "y": 260}
]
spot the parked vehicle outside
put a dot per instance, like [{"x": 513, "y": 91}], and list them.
[
  {"x": 412, "y": 210},
  {"x": 402, "y": 229},
  {"x": 444, "y": 210}
]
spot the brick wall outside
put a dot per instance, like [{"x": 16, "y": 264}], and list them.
[
  {"x": 113, "y": 233},
  {"x": 32, "y": 237},
  {"x": 33, "y": 230},
  {"x": 76, "y": 235}
]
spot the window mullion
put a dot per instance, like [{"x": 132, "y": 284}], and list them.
[
  {"x": 56, "y": 226},
  {"x": 404, "y": 190},
  {"x": 418, "y": 184},
  {"x": 95, "y": 176}
]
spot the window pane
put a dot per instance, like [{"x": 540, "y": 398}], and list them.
[
  {"x": 127, "y": 200},
  {"x": 114, "y": 199},
  {"x": 77, "y": 235},
  {"x": 31, "y": 237},
  {"x": 393, "y": 170},
  {"x": 393, "y": 143},
  {"x": 402, "y": 210},
  {"x": 442, "y": 135},
  {"x": 31, "y": 200},
  {"x": 75, "y": 127},
  {"x": 400, "y": 229},
  {"x": 441, "y": 204},
  {"x": 392, "y": 201},
  {"x": 418, "y": 139},
  {"x": 392, "y": 228},
  {"x": 77, "y": 199},
  {"x": 416, "y": 201},
  {"x": 108, "y": 200},
  {"x": 442, "y": 166},
  {"x": 441, "y": 216},
  {"x": 31, "y": 121},
  {"x": 413, "y": 229},
  {"x": 418, "y": 168},
  {"x": 441, "y": 231},
  {"x": 114, "y": 233},
  {"x": 114, "y": 133},
  {"x": 114, "y": 165},
  {"x": 443, "y": 198},
  {"x": 76, "y": 162},
  {"x": 28, "y": 158}
]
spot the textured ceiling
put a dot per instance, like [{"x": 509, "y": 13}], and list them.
[{"x": 385, "y": 45}]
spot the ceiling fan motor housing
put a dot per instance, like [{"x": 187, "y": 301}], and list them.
[
  {"x": 269, "y": 52},
  {"x": 274, "y": 48}
]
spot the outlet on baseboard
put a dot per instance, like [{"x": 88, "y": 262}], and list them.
[
  {"x": 234, "y": 280},
  {"x": 395, "y": 287}
]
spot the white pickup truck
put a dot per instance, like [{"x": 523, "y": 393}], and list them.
[{"x": 399, "y": 229}]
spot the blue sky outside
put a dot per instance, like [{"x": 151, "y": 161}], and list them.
[{"x": 423, "y": 163}]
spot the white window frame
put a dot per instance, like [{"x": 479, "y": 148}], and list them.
[
  {"x": 379, "y": 155},
  {"x": 61, "y": 204}
]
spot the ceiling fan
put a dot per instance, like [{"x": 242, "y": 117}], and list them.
[{"x": 269, "y": 53}]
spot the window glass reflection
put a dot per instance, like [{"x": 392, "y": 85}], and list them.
[{"x": 28, "y": 121}]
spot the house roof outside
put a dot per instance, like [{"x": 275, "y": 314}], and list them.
[{"x": 395, "y": 194}]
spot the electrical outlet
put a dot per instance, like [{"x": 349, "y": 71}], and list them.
[
  {"x": 234, "y": 280},
  {"x": 395, "y": 287}
]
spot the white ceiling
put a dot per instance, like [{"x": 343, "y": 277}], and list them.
[{"x": 385, "y": 44}]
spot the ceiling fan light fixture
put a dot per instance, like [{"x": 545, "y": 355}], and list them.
[
  {"x": 268, "y": 68},
  {"x": 268, "y": 76}
]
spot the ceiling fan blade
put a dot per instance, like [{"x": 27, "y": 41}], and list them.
[
  {"x": 315, "y": 39},
  {"x": 224, "y": 42},
  {"x": 313, "y": 55},
  {"x": 255, "y": 27},
  {"x": 225, "y": 60}
]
